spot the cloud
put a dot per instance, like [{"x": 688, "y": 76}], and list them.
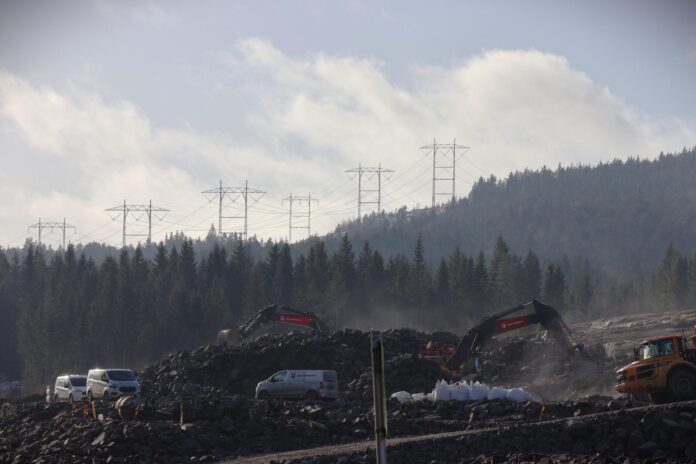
[
  {"x": 145, "y": 12},
  {"x": 308, "y": 119},
  {"x": 516, "y": 108}
]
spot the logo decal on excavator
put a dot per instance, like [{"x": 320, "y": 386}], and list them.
[
  {"x": 297, "y": 320},
  {"x": 504, "y": 325}
]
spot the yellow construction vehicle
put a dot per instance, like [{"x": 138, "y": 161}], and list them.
[{"x": 664, "y": 368}]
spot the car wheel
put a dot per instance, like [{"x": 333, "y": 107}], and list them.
[
  {"x": 55, "y": 398},
  {"x": 312, "y": 395},
  {"x": 682, "y": 385},
  {"x": 264, "y": 395}
]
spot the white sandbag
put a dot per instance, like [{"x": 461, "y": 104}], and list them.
[
  {"x": 419, "y": 396},
  {"x": 442, "y": 391},
  {"x": 497, "y": 393},
  {"x": 518, "y": 395},
  {"x": 460, "y": 391},
  {"x": 402, "y": 396},
  {"x": 478, "y": 391}
]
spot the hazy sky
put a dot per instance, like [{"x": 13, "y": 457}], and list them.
[{"x": 102, "y": 101}]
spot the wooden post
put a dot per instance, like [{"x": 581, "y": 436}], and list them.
[{"x": 379, "y": 396}]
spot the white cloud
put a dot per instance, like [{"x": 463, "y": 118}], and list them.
[
  {"x": 312, "y": 117},
  {"x": 146, "y": 12}
]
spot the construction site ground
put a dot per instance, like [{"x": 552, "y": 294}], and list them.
[{"x": 575, "y": 415}]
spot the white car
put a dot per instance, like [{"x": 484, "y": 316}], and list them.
[
  {"x": 299, "y": 384},
  {"x": 107, "y": 384},
  {"x": 69, "y": 388}
]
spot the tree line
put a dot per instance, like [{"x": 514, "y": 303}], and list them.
[
  {"x": 66, "y": 313},
  {"x": 619, "y": 215}
]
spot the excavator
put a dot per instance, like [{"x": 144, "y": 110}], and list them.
[
  {"x": 268, "y": 314},
  {"x": 465, "y": 358},
  {"x": 664, "y": 368}
]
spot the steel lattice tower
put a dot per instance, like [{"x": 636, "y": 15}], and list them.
[
  {"x": 444, "y": 165},
  {"x": 305, "y": 213},
  {"x": 227, "y": 192},
  {"x": 40, "y": 226},
  {"x": 373, "y": 195},
  {"x": 147, "y": 209}
]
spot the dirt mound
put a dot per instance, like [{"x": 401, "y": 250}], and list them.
[{"x": 237, "y": 369}]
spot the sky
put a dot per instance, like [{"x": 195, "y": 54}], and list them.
[{"x": 104, "y": 101}]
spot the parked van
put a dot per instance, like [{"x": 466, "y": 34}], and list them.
[
  {"x": 70, "y": 388},
  {"x": 299, "y": 384},
  {"x": 108, "y": 384}
]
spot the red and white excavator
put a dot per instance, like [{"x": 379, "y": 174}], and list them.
[
  {"x": 272, "y": 313},
  {"x": 465, "y": 357}
]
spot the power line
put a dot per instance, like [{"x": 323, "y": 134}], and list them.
[
  {"x": 302, "y": 214},
  {"x": 370, "y": 173},
  {"x": 441, "y": 152},
  {"x": 40, "y": 226},
  {"x": 225, "y": 192},
  {"x": 147, "y": 209}
]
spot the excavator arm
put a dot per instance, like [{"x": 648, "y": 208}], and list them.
[
  {"x": 281, "y": 313},
  {"x": 488, "y": 327}
]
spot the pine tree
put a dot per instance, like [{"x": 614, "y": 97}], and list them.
[
  {"x": 531, "y": 273},
  {"x": 282, "y": 276},
  {"x": 503, "y": 275},
  {"x": 420, "y": 280},
  {"x": 318, "y": 272},
  {"x": 671, "y": 280},
  {"x": 555, "y": 287}
]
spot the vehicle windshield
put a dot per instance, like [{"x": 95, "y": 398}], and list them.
[
  {"x": 121, "y": 376},
  {"x": 655, "y": 349},
  {"x": 78, "y": 381}
]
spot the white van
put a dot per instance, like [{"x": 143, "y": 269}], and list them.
[
  {"x": 70, "y": 388},
  {"x": 107, "y": 384},
  {"x": 299, "y": 384}
]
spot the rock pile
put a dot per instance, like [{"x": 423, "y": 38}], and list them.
[
  {"x": 234, "y": 426},
  {"x": 402, "y": 372},
  {"x": 664, "y": 434},
  {"x": 539, "y": 365},
  {"x": 237, "y": 369},
  {"x": 199, "y": 406}
]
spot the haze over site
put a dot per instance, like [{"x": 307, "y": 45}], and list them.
[{"x": 101, "y": 101}]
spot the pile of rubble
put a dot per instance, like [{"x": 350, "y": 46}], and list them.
[
  {"x": 539, "y": 365},
  {"x": 235, "y": 426},
  {"x": 653, "y": 434},
  {"x": 199, "y": 406},
  {"x": 237, "y": 369}
]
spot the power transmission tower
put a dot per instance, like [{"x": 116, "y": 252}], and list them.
[
  {"x": 147, "y": 209},
  {"x": 234, "y": 193},
  {"x": 40, "y": 226},
  {"x": 444, "y": 164},
  {"x": 303, "y": 213},
  {"x": 373, "y": 195}
]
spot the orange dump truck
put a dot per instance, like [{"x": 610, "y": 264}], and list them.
[{"x": 664, "y": 368}]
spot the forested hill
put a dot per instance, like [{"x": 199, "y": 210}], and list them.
[{"x": 619, "y": 215}]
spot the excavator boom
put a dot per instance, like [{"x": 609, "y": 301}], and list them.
[
  {"x": 499, "y": 323},
  {"x": 274, "y": 313}
]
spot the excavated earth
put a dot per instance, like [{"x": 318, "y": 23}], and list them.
[{"x": 199, "y": 406}]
